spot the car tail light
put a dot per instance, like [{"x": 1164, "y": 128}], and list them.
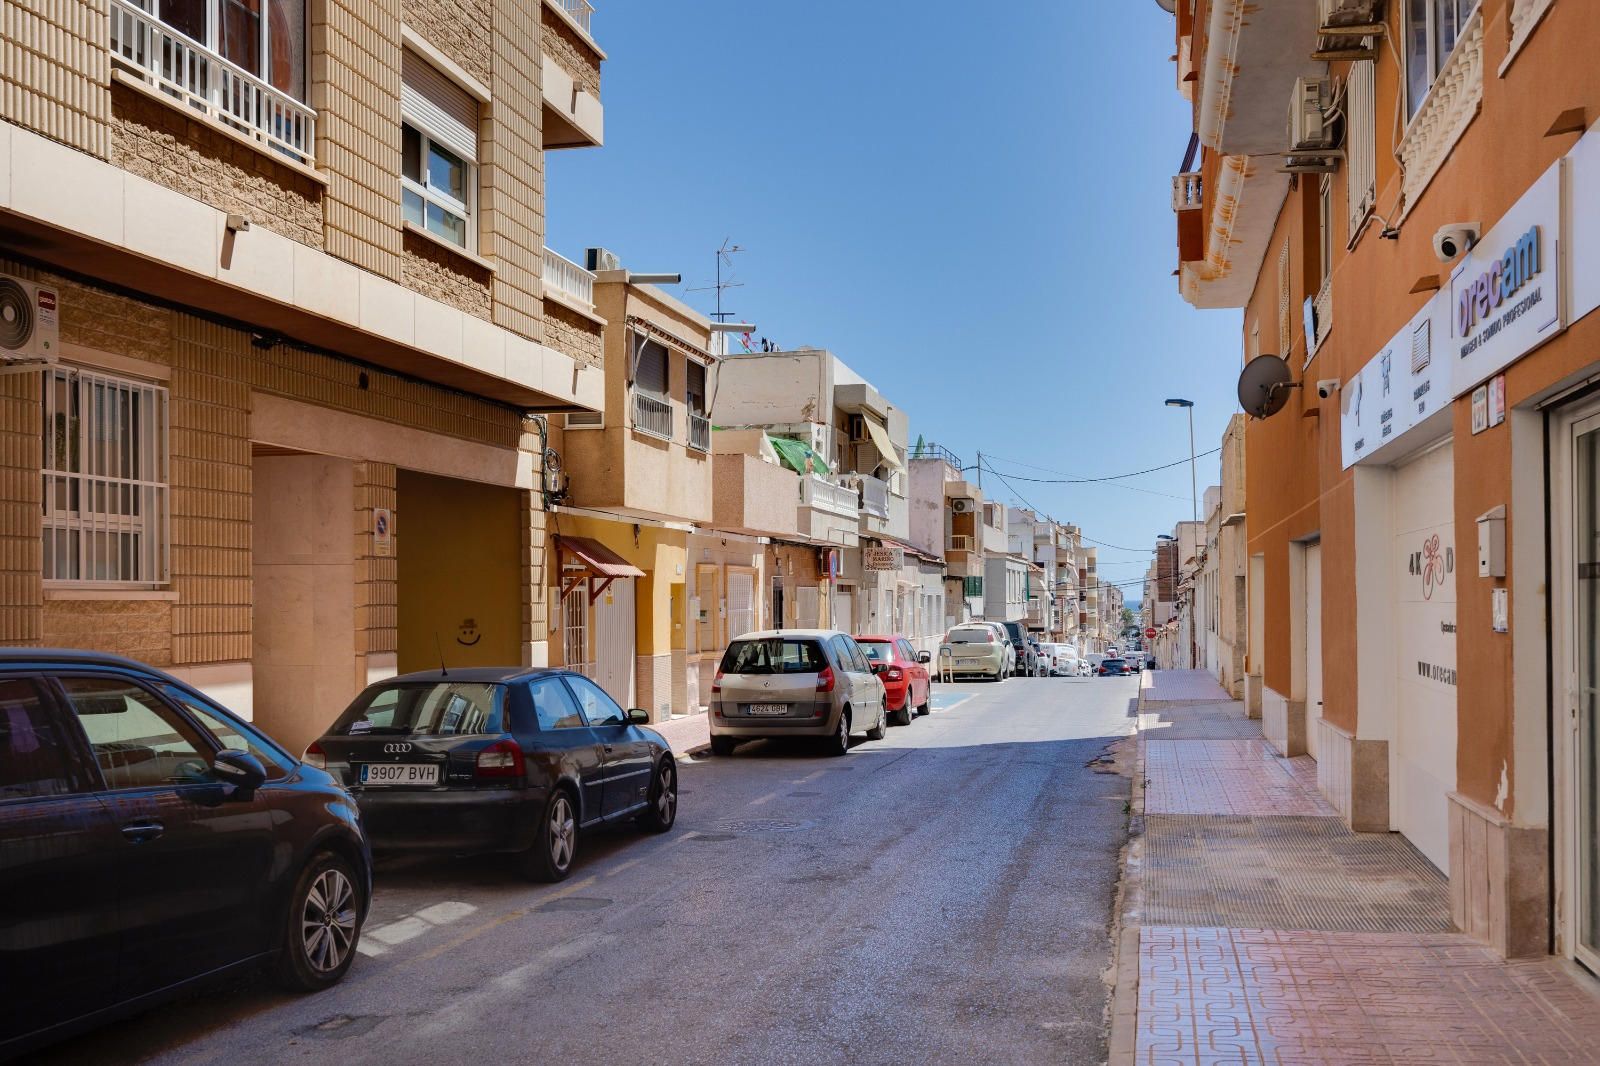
[
  {"x": 503, "y": 758},
  {"x": 315, "y": 756},
  {"x": 825, "y": 680},
  {"x": 893, "y": 674},
  {"x": 716, "y": 683}
]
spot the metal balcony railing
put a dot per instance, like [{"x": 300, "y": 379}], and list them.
[
  {"x": 222, "y": 91},
  {"x": 929, "y": 450},
  {"x": 581, "y": 11},
  {"x": 568, "y": 278},
  {"x": 959, "y": 542},
  {"x": 699, "y": 432},
  {"x": 652, "y": 416},
  {"x": 1186, "y": 192}
]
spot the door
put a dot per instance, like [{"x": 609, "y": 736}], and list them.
[
  {"x": 741, "y": 602},
  {"x": 58, "y": 854},
  {"x": 624, "y": 753},
  {"x": 1313, "y": 631},
  {"x": 614, "y": 640},
  {"x": 1578, "y": 776},
  {"x": 565, "y": 733},
  {"x": 193, "y": 868},
  {"x": 866, "y": 692},
  {"x": 844, "y": 611}
]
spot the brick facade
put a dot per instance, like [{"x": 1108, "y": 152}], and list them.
[
  {"x": 575, "y": 55},
  {"x": 458, "y": 28},
  {"x": 511, "y": 174},
  {"x": 54, "y": 70},
  {"x": 571, "y": 333},
  {"x": 446, "y": 277}
]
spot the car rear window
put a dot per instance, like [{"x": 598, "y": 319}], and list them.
[
  {"x": 879, "y": 651},
  {"x": 970, "y": 636},
  {"x": 1111, "y": 662},
  {"x": 773, "y": 655},
  {"x": 424, "y": 708}
]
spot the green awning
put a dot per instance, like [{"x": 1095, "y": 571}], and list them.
[{"x": 794, "y": 454}]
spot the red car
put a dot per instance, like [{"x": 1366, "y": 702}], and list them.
[{"x": 904, "y": 673}]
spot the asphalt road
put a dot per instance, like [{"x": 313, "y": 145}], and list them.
[{"x": 943, "y": 895}]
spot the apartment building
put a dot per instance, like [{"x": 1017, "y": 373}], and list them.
[
  {"x": 1420, "y": 505},
  {"x": 279, "y": 310}
]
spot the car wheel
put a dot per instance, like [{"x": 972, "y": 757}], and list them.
[
  {"x": 999, "y": 674},
  {"x": 556, "y": 842},
  {"x": 322, "y": 927},
  {"x": 927, "y": 697},
  {"x": 903, "y": 715},
  {"x": 663, "y": 809},
  {"x": 839, "y": 743},
  {"x": 723, "y": 745},
  {"x": 881, "y": 730}
]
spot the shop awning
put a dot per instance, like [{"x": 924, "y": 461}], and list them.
[
  {"x": 880, "y": 440},
  {"x": 794, "y": 454},
  {"x": 593, "y": 562}
]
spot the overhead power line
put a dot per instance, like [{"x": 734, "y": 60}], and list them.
[{"x": 1088, "y": 480}]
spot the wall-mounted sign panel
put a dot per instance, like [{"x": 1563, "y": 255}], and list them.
[{"x": 1403, "y": 386}]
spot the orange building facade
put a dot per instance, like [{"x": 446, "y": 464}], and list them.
[{"x": 1403, "y": 198}]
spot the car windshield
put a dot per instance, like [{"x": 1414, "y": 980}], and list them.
[
  {"x": 424, "y": 708},
  {"x": 773, "y": 655},
  {"x": 970, "y": 636},
  {"x": 879, "y": 651}
]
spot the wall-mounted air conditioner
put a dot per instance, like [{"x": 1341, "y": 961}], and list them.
[
  {"x": 30, "y": 324},
  {"x": 1339, "y": 15},
  {"x": 1309, "y": 126},
  {"x": 961, "y": 505}
]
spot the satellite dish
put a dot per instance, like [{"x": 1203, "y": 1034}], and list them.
[{"x": 1264, "y": 386}]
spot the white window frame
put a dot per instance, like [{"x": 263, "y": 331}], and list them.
[
  {"x": 130, "y": 471},
  {"x": 467, "y": 209},
  {"x": 1431, "y": 55},
  {"x": 213, "y": 42}
]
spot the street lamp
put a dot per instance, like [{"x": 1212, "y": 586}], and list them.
[{"x": 1194, "y": 496}]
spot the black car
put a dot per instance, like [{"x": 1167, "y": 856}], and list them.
[
  {"x": 498, "y": 759},
  {"x": 1113, "y": 667},
  {"x": 149, "y": 839}
]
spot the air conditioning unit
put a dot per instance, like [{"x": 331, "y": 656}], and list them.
[
  {"x": 858, "y": 428},
  {"x": 601, "y": 259},
  {"x": 961, "y": 505},
  {"x": 1309, "y": 128},
  {"x": 1341, "y": 14},
  {"x": 30, "y": 323}
]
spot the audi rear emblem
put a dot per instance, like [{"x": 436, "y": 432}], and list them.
[{"x": 396, "y": 749}]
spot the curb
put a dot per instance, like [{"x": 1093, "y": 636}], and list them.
[{"x": 1122, "y": 1046}]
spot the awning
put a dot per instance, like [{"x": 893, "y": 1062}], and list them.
[
  {"x": 880, "y": 440},
  {"x": 794, "y": 454},
  {"x": 596, "y": 562}
]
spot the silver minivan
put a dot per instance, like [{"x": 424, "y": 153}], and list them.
[{"x": 796, "y": 683}]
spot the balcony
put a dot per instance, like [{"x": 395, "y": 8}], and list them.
[
  {"x": 568, "y": 281},
  {"x": 1322, "y": 315},
  {"x": 828, "y": 512},
  {"x": 220, "y": 90},
  {"x": 581, "y": 12},
  {"x": 652, "y": 416},
  {"x": 699, "y": 432},
  {"x": 573, "y": 115},
  {"x": 872, "y": 493},
  {"x": 959, "y": 542},
  {"x": 1186, "y": 192}
]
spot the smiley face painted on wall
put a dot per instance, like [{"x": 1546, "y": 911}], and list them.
[{"x": 467, "y": 633}]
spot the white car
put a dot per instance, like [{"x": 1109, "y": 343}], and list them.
[
  {"x": 1084, "y": 669},
  {"x": 1061, "y": 659}
]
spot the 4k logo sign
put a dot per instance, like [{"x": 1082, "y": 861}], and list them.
[{"x": 1433, "y": 564}]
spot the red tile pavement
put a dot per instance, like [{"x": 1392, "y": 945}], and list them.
[
  {"x": 686, "y": 733},
  {"x": 1250, "y": 995},
  {"x": 1226, "y": 777}
]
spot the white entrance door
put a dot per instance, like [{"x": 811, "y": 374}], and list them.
[
  {"x": 741, "y": 602},
  {"x": 844, "y": 608},
  {"x": 614, "y": 641},
  {"x": 1422, "y": 757},
  {"x": 1313, "y": 631}
]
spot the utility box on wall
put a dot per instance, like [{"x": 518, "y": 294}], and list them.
[{"x": 1492, "y": 543}]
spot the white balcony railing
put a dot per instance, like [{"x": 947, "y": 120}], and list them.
[
  {"x": 222, "y": 91},
  {"x": 1186, "y": 192},
  {"x": 959, "y": 542},
  {"x": 828, "y": 496},
  {"x": 1322, "y": 312},
  {"x": 699, "y": 432},
  {"x": 581, "y": 11},
  {"x": 568, "y": 278},
  {"x": 652, "y": 416},
  {"x": 872, "y": 493}
]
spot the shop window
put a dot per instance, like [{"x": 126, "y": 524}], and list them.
[
  {"x": 1432, "y": 27},
  {"x": 105, "y": 470},
  {"x": 438, "y": 153}
]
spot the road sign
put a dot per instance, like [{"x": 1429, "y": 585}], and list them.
[{"x": 1150, "y": 634}]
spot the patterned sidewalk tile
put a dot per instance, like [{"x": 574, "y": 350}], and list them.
[
  {"x": 1166, "y": 686},
  {"x": 1211, "y": 995},
  {"x": 1232, "y": 776},
  {"x": 1200, "y": 721},
  {"x": 1287, "y": 873}
]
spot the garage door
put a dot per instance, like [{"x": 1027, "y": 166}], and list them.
[{"x": 1422, "y": 758}]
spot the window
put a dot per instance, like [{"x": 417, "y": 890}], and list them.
[
  {"x": 554, "y": 705},
  {"x": 272, "y": 48},
  {"x": 906, "y": 649},
  {"x": 137, "y": 740},
  {"x": 697, "y": 388},
  {"x": 1432, "y": 27},
  {"x": 652, "y": 413},
  {"x": 438, "y": 709},
  {"x": 35, "y": 759},
  {"x": 1325, "y": 229},
  {"x": 105, "y": 479},
  {"x": 973, "y": 586},
  {"x": 438, "y": 153},
  {"x": 1361, "y": 144},
  {"x": 230, "y": 734},
  {"x": 773, "y": 655},
  {"x": 1284, "y": 324},
  {"x": 598, "y": 708},
  {"x": 878, "y": 651}
]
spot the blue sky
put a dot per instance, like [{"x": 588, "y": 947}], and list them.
[{"x": 968, "y": 202}]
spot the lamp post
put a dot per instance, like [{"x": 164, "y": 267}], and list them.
[{"x": 1194, "y": 495}]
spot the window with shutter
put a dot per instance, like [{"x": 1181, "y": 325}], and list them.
[
  {"x": 651, "y": 376},
  {"x": 1361, "y": 144},
  {"x": 697, "y": 388},
  {"x": 1284, "y": 322},
  {"x": 438, "y": 152}
]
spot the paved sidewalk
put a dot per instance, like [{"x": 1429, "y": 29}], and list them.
[
  {"x": 1259, "y": 929},
  {"x": 688, "y": 733}
]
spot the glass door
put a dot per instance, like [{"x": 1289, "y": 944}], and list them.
[{"x": 1584, "y": 735}]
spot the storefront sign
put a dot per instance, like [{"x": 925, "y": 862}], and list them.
[
  {"x": 1505, "y": 296},
  {"x": 382, "y": 532},
  {"x": 1400, "y": 388},
  {"x": 882, "y": 557}
]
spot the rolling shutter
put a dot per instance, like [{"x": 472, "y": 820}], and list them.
[
  {"x": 652, "y": 376},
  {"x": 439, "y": 106}
]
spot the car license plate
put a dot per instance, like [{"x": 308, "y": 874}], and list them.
[
  {"x": 769, "y": 709},
  {"x": 400, "y": 773}
]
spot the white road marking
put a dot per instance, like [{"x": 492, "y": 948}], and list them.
[{"x": 411, "y": 926}]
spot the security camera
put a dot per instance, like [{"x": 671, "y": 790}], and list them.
[
  {"x": 1454, "y": 239},
  {"x": 1327, "y": 387}
]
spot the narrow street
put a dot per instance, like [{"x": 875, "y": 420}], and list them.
[{"x": 943, "y": 895}]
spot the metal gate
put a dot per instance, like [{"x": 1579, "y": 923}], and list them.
[{"x": 614, "y": 641}]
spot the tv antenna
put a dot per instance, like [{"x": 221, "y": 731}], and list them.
[{"x": 725, "y": 256}]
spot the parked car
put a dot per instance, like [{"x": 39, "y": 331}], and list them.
[
  {"x": 1113, "y": 667},
  {"x": 796, "y": 683},
  {"x": 1063, "y": 660},
  {"x": 498, "y": 759},
  {"x": 1018, "y": 636},
  {"x": 906, "y": 685},
  {"x": 150, "y": 840},
  {"x": 975, "y": 649},
  {"x": 1085, "y": 669}
]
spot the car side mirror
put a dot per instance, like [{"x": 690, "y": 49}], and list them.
[
  {"x": 924, "y": 657},
  {"x": 638, "y": 716},
  {"x": 241, "y": 770}
]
